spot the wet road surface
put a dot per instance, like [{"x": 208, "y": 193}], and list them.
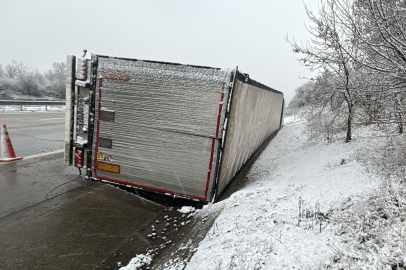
[
  {"x": 35, "y": 132},
  {"x": 50, "y": 218}
]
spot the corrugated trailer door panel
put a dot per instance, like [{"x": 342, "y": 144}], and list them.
[{"x": 164, "y": 133}]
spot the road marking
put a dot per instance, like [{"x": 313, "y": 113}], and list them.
[
  {"x": 26, "y": 112},
  {"x": 16, "y": 129},
  {"x": 34, "y": 156},
  {"x": 45, "y": 154},
  {"x": 52, "y": 118}
]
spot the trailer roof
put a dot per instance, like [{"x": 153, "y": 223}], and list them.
[
  {"x": 157, "y": 62},
  {"x": 240, "y": 76},
  {"x": 246, "y": 79}
]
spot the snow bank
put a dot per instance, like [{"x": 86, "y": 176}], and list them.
[
  {"x": 260, "y": 227},
  {"x": 137, "y": 262},
  {"x": 187, "y": 209}
]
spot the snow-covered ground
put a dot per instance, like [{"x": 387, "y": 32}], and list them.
[
  {"x": 288, "y": 215},
  {"x": 260, "y": 228}
]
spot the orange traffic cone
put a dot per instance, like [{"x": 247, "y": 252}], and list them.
[{"x": 6, "y": 148}]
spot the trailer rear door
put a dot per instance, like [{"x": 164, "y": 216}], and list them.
[{"x": 158, "y": 125}]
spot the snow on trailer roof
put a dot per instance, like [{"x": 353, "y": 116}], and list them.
[
  {"x": 156, "y": 62},
  {"x": 240, "y": 76}
]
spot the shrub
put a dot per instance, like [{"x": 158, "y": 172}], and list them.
[{"x": 29, "y": 86}]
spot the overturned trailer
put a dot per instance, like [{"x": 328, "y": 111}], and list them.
[{"x": 170, "y": 128}]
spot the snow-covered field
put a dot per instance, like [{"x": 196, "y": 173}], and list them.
[{"x": 300, "y": 210}]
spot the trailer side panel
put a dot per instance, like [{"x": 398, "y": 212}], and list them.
[{"x": 255, "y": 114}]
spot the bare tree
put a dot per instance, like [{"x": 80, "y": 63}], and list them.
[
  {"x": 10, "y": 71},
  {"x": 378, "y": 27},
  {"x": 22, "y": 68},
  {"x": 57, "y": 77},
  {"x": 328, "y": 52},
  {"x": 58, "y": 71},
  {"x": 60, "y": 68},
  {"x": 16, "y": 68}
]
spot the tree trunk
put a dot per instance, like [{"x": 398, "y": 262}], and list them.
[
  {"x": 400, "y": 124},
  {"x": 349, "y": 124}
]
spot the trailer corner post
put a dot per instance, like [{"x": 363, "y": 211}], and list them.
[
  {"x": 214, "y": 192},
  {"x": 94, "y": 63},
  {"x": 70, "y": 90},
  {"x": 282, "y": 113}
]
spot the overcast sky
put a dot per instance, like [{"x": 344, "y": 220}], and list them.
[{"x": 217, "y": 33}]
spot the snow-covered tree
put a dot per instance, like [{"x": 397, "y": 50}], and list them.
[
  {"x": 10, "y": 71},
  {"x": 378, "y": 27},
  {"x": 303, "y": 96},
  {"x": 21, "y": 78},
  {"x": 327, "y": 52}
]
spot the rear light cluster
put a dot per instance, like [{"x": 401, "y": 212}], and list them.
[{"x": 79, "y": 157}]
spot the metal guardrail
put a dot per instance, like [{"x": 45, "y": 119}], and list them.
[{"x": 31, "y": 102}]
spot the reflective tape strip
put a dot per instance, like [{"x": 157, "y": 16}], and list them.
[{"x": 5, "y": 136}]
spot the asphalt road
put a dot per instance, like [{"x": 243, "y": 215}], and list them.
[
  {"x": 51, "y": 218},
  {"x": 33, "y": 133}
]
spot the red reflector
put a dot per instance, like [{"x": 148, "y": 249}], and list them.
[{"x": 79, "y": 157}]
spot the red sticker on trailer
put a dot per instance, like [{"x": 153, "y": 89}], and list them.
[{"x": 108, "y": 167}]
